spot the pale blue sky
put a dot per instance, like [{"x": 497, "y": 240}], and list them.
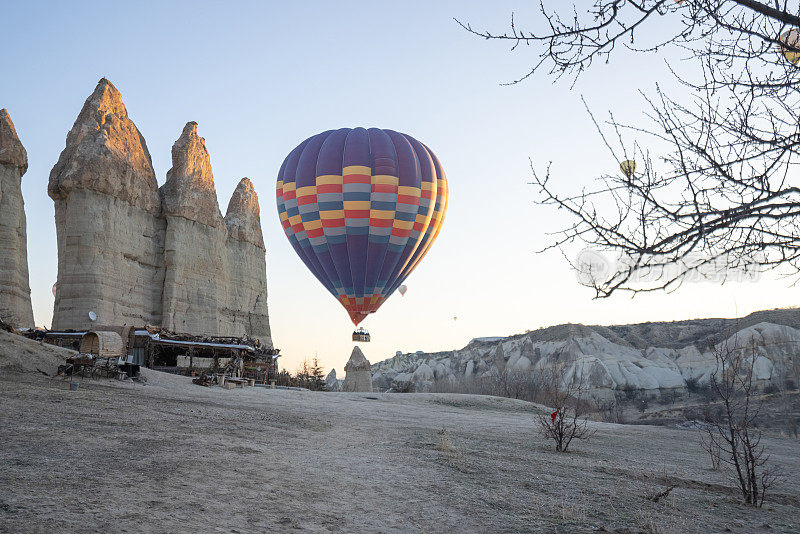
[{"x": 259, "y": 77}]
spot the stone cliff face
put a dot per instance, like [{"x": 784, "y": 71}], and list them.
[
  {"x": 135, "y": 254},
  {"x": 195, "y": 256},
  {"x": 15, "y": 292},
  {"x": 660, "y": 356},
  {"x": 246, "y": 309},
  {"x": 108, "y": 224}
]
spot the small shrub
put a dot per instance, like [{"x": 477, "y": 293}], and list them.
[
  {"x": 403, "y": 386},
  {"x": 693, "y": 385},
  {"x": 630, "y": 391}
]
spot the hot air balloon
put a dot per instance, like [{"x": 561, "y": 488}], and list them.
[
  {"x": 402, "y": 289},
  {"x": 361, "y": 207},
  {"x": 790, "y": 38},
  {"x": 628, "y": 167}
]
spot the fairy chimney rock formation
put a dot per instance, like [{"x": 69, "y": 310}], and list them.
[
  {"x": 105, "y": 153},
  {"x": 358, "y": 377},
  {"x": 189, "y": 190},
  {"x": 108, "y": 224},
  {"x": 195, "y": 252},
  {"x": 15, "y": 292},
  {"x": 243, "y": 217},
  {"x": 246, "y": 310},
  {"x": 331, "y": 382},
  {"x": 135, "y": 254}
]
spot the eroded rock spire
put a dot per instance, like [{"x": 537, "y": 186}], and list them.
[
  {"x": 11, "y": 150},
  {"x": 189, "y": 190},
  {"x": 105, "y": 152},
  {"x": 243, "y": 217},
  {"x": 15, "y": 292}
]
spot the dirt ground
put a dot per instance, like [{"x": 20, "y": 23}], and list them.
[{"x": 170, "y": 456}]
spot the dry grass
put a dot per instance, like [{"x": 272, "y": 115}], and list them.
[{"x": 172, "y": 456}]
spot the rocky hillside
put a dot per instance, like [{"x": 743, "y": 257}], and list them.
[{"x": 648, "y": 356}]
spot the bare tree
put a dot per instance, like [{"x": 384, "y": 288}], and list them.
[
  {"x": 734, "y": 438},
  {"x": 564, "y": 394},
  {"x": 721, "y": 197}
]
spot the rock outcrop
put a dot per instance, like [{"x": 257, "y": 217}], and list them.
[
  {"x": 246, "y": 308},
  {"x": 108, "y": 224},
  {"x": 136, "y": 254},
  {"x": 652, "y": 357},
  {"x": 15, "y": 292},
  {"x": 195, "y": 257},
  {"x": 358, "y": 377},
  {"x": 331, "y": 382}
]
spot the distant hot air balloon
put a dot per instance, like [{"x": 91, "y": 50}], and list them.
[
  {"x": 361, "y": 207},
  {"x": 628, "y": 167},
  {"x": 402, "y": 289},
  {"x": 791, "y": 39},
  {"x": 54, "y": 289}
]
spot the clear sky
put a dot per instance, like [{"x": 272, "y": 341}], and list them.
[{"x": 259, "y": 77}]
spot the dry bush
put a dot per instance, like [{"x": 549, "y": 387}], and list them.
[
  {"x": 610, "y": 411},
  {"x": 734, "y": 436},
  {"x": 403, "y": 386},
  {"x": 564, "y": 394},
  {"x": 454, "y": 456},
  {"x": 514, "y": 384}
]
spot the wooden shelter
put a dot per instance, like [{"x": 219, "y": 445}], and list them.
[{"x": 102, "y": 344}]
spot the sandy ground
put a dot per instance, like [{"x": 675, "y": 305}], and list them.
[{"x": 171, "y": 456}]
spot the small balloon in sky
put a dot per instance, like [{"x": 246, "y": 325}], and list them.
[
  {"x": 790, "y": 39},
  {"x": 54, "y": 289},
  {"x": 628, "y": 167},
  {"x": 402, "y": 289}
]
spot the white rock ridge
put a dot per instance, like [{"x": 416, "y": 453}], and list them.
[
  {"x": 358, "y": 377},
  {"x": 15, "y": 292},
  {"x": 604, "y": 359}
]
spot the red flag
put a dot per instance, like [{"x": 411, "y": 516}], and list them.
[{"x": 553, "y": 416}]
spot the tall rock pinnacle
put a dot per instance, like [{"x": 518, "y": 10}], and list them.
[
  {"x": 243, "y": 217},
  {"x": 11, "y": 150},
  {"x": 189, "y": 190},
  {"x": 106, "y": 153},
  {"x": 110, "y": 234},
  {"x": 15, "y": 292}
]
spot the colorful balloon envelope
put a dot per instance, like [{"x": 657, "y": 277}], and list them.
[
  {"x": 790, "y": 40},
  {"x": 361, "y": 207},
  {"x": 628, "y": 167}
]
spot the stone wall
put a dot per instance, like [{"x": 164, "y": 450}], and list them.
[
  {"x": 15, "y": 293},
  {"x": 136, "y": 254}
]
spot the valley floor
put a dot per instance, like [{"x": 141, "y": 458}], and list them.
[{"x": 170, "y": 456}]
